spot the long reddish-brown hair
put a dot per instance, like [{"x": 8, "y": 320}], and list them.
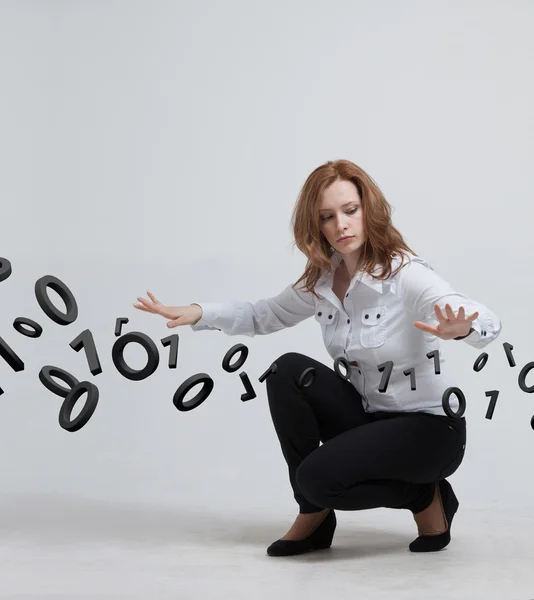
[{"x": 382, "y": 238}]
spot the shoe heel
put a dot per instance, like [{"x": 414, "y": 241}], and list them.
[
  {"x": 320, "y": 539},
  {"x": 433, "y": 543}
]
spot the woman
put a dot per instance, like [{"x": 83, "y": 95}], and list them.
[{"x": 382, "y": 446}]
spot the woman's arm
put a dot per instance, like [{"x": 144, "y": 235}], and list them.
[
  {"x": 287, "y": 309},
  {"x": 420, "y": 288}
]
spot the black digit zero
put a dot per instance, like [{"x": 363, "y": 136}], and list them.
[
  {"x": 302, "y": 383},
  {"x": 522, "y": 377},
  {"x": 5, "y": 268},
  {"x": 483, "y": 358},
  {"x": 88, "y": 408},
  {"x": 342, "y": 360},
  {"x": 20, "y": 321},
  {"x": 447, "y": 407},
  {"x": 48, "y": 307},
  {"x": 49, "y": 371},
  {"x": 190, "y": 382},
  {"x": 71, "y": 395},
  {"x": 230, "y": 354},
  {"x": 117, "y": 354}
]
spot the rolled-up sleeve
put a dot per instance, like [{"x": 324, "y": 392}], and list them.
[
  {"x": 420, "y": 288},
  {"x": 268, "y": 315}
]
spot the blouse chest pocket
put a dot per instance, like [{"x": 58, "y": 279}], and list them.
[
  {"x": 374, "y": 329},
  {"x": 327, "y": 316}
]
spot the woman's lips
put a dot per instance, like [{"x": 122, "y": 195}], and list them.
[{"x": 345, "y": 239}]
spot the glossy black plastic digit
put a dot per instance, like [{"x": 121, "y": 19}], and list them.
[
  {"x": 179, "y": 395},
  {"x": 117, "y": 355},
  {"x": 41, "y": 293}
]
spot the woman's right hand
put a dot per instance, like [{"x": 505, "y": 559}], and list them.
[{"x": 178, "y": 315}]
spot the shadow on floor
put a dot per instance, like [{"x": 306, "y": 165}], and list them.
[{"x": 61, "y": 519}]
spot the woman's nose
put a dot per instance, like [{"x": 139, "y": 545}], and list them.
[{"x": 341, "y": 224}]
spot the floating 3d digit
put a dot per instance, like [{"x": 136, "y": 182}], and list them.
[
  {"x": 385, "y": 368},
  {"x": 18, "y": 326},
  {"x": 230, "y": 354},
  {"x": 88, "y": 408},
  {"x": 118, "y": 357},
  {"x": 172, "y": 341},
  {"x": 250, "y": 394},
  {"x": 447, "y": 407},
  {"x": 179, "y": 395},
  {"x": 522, "y": 377},
  {"x": 49, "y": 371},
  {"x": 508, "y": 351},
  {"x": 493, "y": 395},
  {"x": 483, "y": 358},
  {"x": 47, "y": 306},
  {"x": 10, "y": 356},
  {"x": 435, "y": 355},
  {"x": 71, "y": 395},
  {"x": 5, "y": 268},
  {"x": 348, "y": 367},
  {"x": 302, "y": 383},
  {"x": 411, "y": 373},
  {"x": 86, "y": 341},
  {"x": 270, "y": 371},
  {"x": 119, "y": 323}
]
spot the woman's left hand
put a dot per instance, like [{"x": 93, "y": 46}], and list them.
[{"x": 449, "y": 327}]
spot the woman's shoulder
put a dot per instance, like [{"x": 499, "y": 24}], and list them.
[{"x": 400, "y": 262}]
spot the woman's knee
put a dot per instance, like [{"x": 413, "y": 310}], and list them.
[{"x": 287, "y": 366}]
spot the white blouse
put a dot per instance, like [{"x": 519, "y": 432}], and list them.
[{"x": 372, "y": 326}]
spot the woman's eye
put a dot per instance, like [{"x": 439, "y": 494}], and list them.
[{"x": 350, "y": 212}]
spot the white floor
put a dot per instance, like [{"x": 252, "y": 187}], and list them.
[{"x": 56, "y": 547}]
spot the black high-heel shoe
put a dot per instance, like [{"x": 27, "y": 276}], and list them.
[
  {"x": 432, "y": 543},
  {"x": 319, "y": 539}
]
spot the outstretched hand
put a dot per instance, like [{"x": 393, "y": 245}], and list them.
[
  {"x": 177, "y": 315},
  {"x": 451, "y": 326}
]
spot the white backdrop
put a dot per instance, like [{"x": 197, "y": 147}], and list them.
[{"x": 161, "y": 146}]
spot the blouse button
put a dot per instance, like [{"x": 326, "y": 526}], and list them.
[
  {"x": 319, "y": 314},
  {"x": 329, "y": 316},
  {"x": 366, "y": 316},
  {"x": 348, "y": 320},
  {"x": 378, "y": 316},
  {"x": 347, "y": 295}
]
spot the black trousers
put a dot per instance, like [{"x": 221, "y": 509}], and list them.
[{"x": 366, "y": 460}]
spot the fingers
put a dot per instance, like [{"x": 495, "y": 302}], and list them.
[
  {"x": 147, "y": 306},
  {"x": 153, "y": 298},
  {"x": 450, "y": 314},
  {"x": 140, "y": 307},
  {"x": 439, "y": 314},
  {"x": 449, "y": 311}
]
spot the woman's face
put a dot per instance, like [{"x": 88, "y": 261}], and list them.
[{"x": 341, "y": 215}]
